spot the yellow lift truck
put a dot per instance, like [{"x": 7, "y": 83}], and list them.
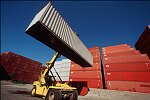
[{"x": 48, "y": 88}]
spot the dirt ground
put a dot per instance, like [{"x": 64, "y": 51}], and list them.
[{"x": 11, "y": 91}]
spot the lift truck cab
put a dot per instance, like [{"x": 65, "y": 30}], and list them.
[{"x": 48, "y": 88}]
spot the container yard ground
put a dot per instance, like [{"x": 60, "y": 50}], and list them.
[{"x": 11, "y": 91}]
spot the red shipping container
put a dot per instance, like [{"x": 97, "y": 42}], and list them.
[
  {"x": 18, "y": 66},
  {"x": 128, "y": 76},
  {"x": 91, "y": 83},
  {"x": 121, "y": 54},
  {"x": 76, "y": 67},
  {"x": 84, "y": 91},
  {"x": 85, "y": 74},
  {"x": 81, "y": 87},
  {"x": 117, "y": 51},
  {"x": 94, "y": 49},
  {"x": 96, "y": 55},
  {"x": 116, "y": 46},
  {"x": 143, "y": 87},
  {"x": 127, "y": 59},
  {"x": 96, "y": 59},
  {"x": 135, "y": 67}
]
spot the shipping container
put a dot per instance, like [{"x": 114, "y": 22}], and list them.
[
  {"x": 117, "y": 54},
  {"x": 62, "y": 68},
  {"x": 20, "y": 68},
  {"x": 144, "y": 37},
  {"x": 117, "y": 51},
  {"x": 76, "y": 67},
  {"x": 50, "y": 28},
  {"x": 131, "y": 67},
  {"x": 81, "y": 87},
  {"x": 143, "y": 87},
  {"x": 91, "y": 83},
  {"x": 146, "y": 49},
  {"x": 95, "y": 51},
  {"x": 84, "y": 91},
  {"x": 116, "y": 48},
  {"x": 85, "y": 74},
  {"x": 121, "y": 46},
  {"x": 128, "y": 76},
  {"x": 126, "y": 59}
]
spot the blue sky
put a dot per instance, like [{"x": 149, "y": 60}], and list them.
[{"x": 99, "y": 23}]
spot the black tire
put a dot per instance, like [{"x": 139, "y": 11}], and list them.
[
  {"x": 33, "y": 91},
  {"x": 53, "y": 94},
  {"x": 74, "y": 95}
]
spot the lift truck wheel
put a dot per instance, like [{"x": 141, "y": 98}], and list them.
[
  {"x": 74, "y": 95},
  {"x": 53, "y": 94},
  {"x": 33, "y": 91}
]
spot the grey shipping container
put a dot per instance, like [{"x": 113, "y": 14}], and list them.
[{"x": 50, "y": 28}]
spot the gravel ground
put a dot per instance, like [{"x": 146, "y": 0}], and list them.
[{"x": 11, "y": 91}]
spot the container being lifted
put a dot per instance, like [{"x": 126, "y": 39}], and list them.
[{"x": 50, "y": 28}]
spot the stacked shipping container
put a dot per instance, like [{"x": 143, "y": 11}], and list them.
[
  {"x": 126, "y": 69},
  {"x": 91, "y": 75},
  {"x": 143, "y": 43},
  {"x": 63, "y": 69},
  {"x": 20, "y": 68}
]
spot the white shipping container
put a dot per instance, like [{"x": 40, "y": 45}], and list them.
[
  {"x": 49, "y": 27},
  {"x": 62, "y": 68},
  {"x": 62, "y": 78},
  {"x": 66, "y": 73}
]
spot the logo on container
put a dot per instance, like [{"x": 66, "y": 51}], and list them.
[
  {"x": 108, "y": 73},
  {"x": 71, "y": 72},
  {"x": 72, "y": 65},
  {"x": 106, "y": 58}
]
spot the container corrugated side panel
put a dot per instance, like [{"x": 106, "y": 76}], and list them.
[
  {"x": 125, "y": 67},
  {"x": 122, "y": 54},
  {"x": 61, "y": 70},
  {"x": 116, "y": 46},
  {"x": 127, "y": 59},
  {"x": 117, "y": 51},
  {"x": 38, "y": 16},
  {"x": 85, "y": 74},
  {"x": 63, "y": 78},
  {"x": 64, "y": 34},
  {"x": 61, "y": 73},
  {"x": 128, "y": 76},
  {"x": 129, "y": 86}
]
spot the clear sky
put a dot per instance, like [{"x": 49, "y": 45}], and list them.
[{"x": 99, "y": 23}]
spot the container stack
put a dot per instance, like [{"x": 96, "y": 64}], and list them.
[
  {"x": 126, "y": 69},
  {"x": 63, "y": 69},
  {"x": 91, "y": 75},
  {"x": 143, "y": 43},
  {"x": 20, "y": 68}
]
